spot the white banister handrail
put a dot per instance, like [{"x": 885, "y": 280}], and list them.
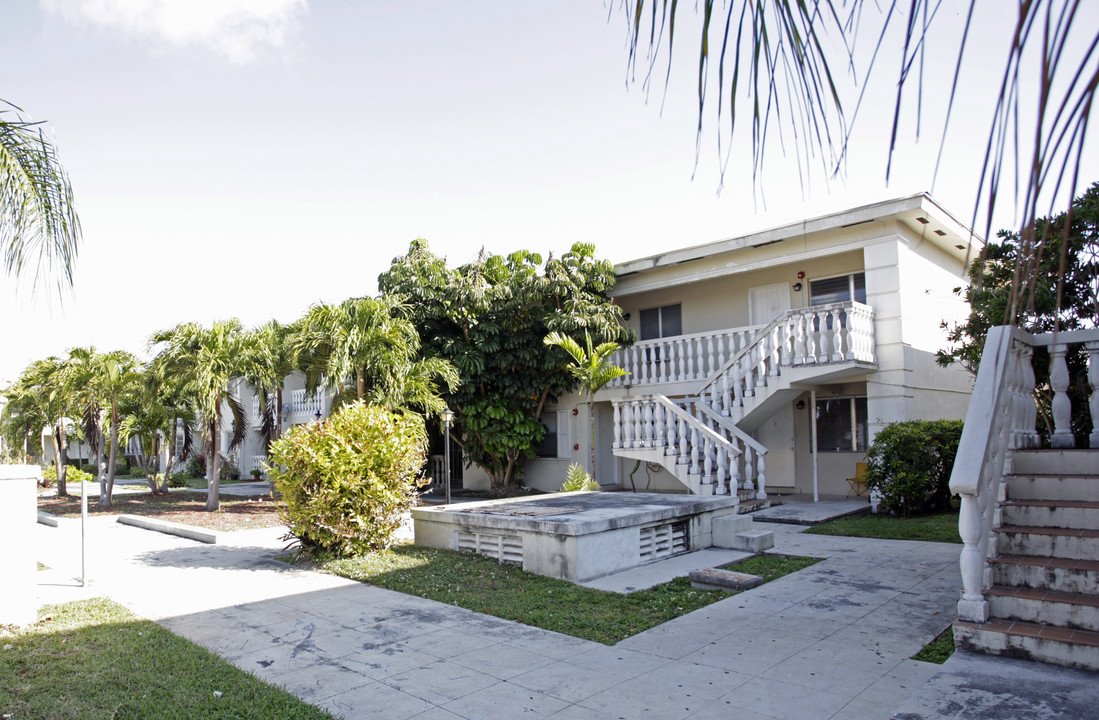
[
  {"x": 692, "y": 421},
  {"x": 731, "y": 428}
]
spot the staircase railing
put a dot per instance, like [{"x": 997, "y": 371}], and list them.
[
  {"x": 1001, "y": 419},
  {"x": 752, "y": 464},
  {"x": 818, "y": 335},
  {"x": 655, "y": 422}
]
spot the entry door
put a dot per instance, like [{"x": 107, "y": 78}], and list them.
[{"x": 767, "y": 302}]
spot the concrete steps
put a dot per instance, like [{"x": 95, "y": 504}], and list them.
[
  {"x": 1044, "y": 603},
  {"x": 737, "y": 532}
]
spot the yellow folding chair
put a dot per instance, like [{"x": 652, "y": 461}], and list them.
[{"x": 857, "y": 483}]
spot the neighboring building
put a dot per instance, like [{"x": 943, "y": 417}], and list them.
[{"x": 749, "y": 347}]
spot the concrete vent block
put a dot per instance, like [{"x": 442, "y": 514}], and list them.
[{"x": 727, "y": 580}]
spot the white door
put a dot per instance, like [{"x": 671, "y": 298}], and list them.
[{"x": 767, "y": 302}]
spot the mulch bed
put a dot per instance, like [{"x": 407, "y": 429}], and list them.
[{"x": 182, "y": 507}]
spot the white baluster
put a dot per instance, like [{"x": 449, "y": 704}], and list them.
[
  {"x": 1030, "y": 408},
  {"x": 776, "y": 350},
  {"x": 972, "y": 607},
  {"x": 726, "y": 395},
  {"x": 1093, "y": 383},
  {"x": 617, "y": 425},
  {"x": 799, "y": 339},
  {"x": 734, "y": 467},
  {"x": 722, "y": 465},
  {"x": 658, "y": 426},
  {"x": 637, "y": 437},
  {"x": 647, "y": 423},
  {"x": 707, "y": 461},
  {"x": 761, "y": 476},
  {"x": 694, "y": 467},
  {"x": 682, "y": 431},
  {"x": 749, "y": 467},
  {"x": 824, "y": 346},
  {"x": 710, "y": 354},
  {"x": 837, "y": 341},
  {"x": 1062, "y": 406}
]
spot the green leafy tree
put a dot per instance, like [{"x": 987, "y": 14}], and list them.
[
  {"x": 592, "y": 368},
  {"x": 1064, "y": 296},
  {"x": 371, "y": 343},
  {"x": 346, "y": 481},
  {"x": 490, "y": 318},
  {"x": 38, "y": 221},
  {"x": 45, "y": 392},
  {"x": 204, "y": 362}
]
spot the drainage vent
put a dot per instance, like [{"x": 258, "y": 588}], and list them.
[
  {"x": 505, "y": 548},
  {"x": 661, "y": 541}
]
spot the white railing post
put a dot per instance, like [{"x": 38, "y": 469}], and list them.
[
  {"x": 1062, "y": 406},
  {"x": 1093, "y": 384},
  {"x": 617, "y": 424}
]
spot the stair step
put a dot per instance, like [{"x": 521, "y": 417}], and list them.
[
  {"x": 1035, "y": 486},
  {"x": 1056, "y": 462},
  {"x": 1079, "y": 611},
  {"x": 1049, "y": 542},
  {"x": 1031, "y": 641},
  {"x": 1052, "y": 513},
  {"x": 1061, "y": 574},
  {"x": 752, "y": 505}
]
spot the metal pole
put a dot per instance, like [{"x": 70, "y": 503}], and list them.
[
  {"x": 446, "y": 457},
  {"x": 813, "y": 432},
  {"x": 83, "y": 520}
]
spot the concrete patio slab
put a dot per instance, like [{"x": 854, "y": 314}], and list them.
[
  {"x": 802, "y": 510},
  {"x": 831, "y": 642}
]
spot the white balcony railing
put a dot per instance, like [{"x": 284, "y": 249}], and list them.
[
  {"x": 1001, "y": 420},
  {"x": 302, "y": 403},
  {"x": 683, "y": 358}
]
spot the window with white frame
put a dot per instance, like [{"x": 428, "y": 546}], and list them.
[
  {"x": 841, "y": 424},
  {"x": 662, "y": 322},
  {"x": 842, "y": 288},
  {"x": 556, "y": 442}
]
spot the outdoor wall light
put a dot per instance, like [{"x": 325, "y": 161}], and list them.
[
  {"x": 626, "y": 316},
  {"x": 800, "y": 405},
  {"x": 797, "y": 287}
]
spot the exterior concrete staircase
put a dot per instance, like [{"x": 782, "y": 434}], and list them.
[
  {"x": 702, "y": 437},
  {"x": 1043, "y": 600}
]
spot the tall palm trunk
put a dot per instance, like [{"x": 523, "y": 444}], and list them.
[
  {"x": 61, "y": 457},
  {"x": 213, "y": 465},
  {"x": 112, "y": 459}
]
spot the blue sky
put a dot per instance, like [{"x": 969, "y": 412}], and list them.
[{"x": 251, "y": 157}]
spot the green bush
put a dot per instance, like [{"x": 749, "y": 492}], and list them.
[
  {"x": 576, "y": 478},
  {"x": 346, "y": 481},
  {"x": 909, "y": 464},
  {"x": 72, "y": 475}
]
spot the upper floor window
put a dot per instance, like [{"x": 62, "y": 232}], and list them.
[
  {"x": 662, "y": 322},
  {"x": 842, "y": 288}
]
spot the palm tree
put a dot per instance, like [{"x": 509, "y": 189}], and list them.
[
  {"x": 38, "y": 222},
  {"x": 44, "y": 391},
  {"x": 204, "y": 362},
  {"x": 275, "y": 362},
  {"x": 110, "y": 379},
  {"x": 788, "y": 62},
  {"x": 370, "y": 342},
  {"x": 592, "y": 369}
]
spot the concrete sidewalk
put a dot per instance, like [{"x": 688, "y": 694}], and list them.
[{"x": 832, "y": 641}]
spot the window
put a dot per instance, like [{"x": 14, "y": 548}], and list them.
[
  {"x": 841, "y": 425},
  {"x": 548, "y": 448},
  {"x": 838, "y": 289},
  {"x": 556, "y": 443},
  {"x": 662, "y": 322}
]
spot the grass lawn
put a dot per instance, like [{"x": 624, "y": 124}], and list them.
[
  {"x": 938, "y": 650},
  {"x": 942, "y": 527},
  {"x": 183, "y": 507},
  {"x": 478, "y": 583},
  {"x": 92, "y": 659}
]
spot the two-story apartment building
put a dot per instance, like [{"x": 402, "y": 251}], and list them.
[{"x": 769, "y": 361}]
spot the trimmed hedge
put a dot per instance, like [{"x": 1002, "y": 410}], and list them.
[
  {"x": 346, "y": 481},
  {"x": 909, "y": 464}
]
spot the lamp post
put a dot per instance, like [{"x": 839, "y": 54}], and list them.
[{"x": 446, "y": 415}]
